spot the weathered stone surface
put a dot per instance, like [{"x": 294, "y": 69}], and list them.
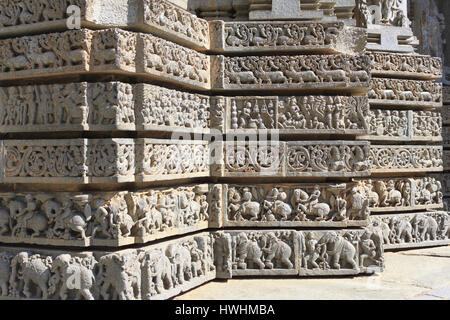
[
  {"x": 106, "y": 218},
  {"x": 119, "y": 160},
  {"x": 396, "y": 159},
  {"x": 253, "y": 37},
  {"x": 306, "y": 253},
  {"x": 404, "y": 125},
  {"x": 292, "y": 115},
  {"x": 405, "y": 66},
  {"x": 111, "y": 51},
  {"x": 445, "y": 180},
  {"x": 402, "y": 194},
  {"x": 446, "y": 95},
  {"x": 412, "y": 230},
  {"x": 405, "y": 93},
  {"x": 160, "y": 159},
  {"x": 294, "y": 205},
  {"x": 446, "y": 160},
  {"x": 162, "y": 109},
  {"x": 446, "y": 136},
  {"x": 173, "y": 63},
  {"x": 150, "y": 273},
  {"x": 78, "y": 106},
  {"x": 326, "y": 72},
  {"x": 284, "y": 10},
  {"x": 159, "y": 17},
  {"x": 295, "y": 159},
  {"x": 101, "y": 106}
]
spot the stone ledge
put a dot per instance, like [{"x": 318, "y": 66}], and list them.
[
  {"x": 412, "y": 159},
  {"x": 402, "y": 194},
  {"x": 281, "y": 36},
  {"x": 306, "y": 115},
  {"x": 415, "y": 230},
  {"x": 405, "y": 93},
  {"x": 84, "y": 161},
  {"x": 312, "y": 72},
  {"x": 299, "y": 252},
  {"x": 101, "y": 106},
  {"x": 112, "y": 51},
  {"x": 403, "y": 125},
  {"x": 405, "y": 66},
  {"x": 155, "y": 16},
  {"x": 294, "y": 159},
  {"x": 107, "y": 219},
  {"x": 122, "y": 275},
  {"x": 294, "y": 205}
]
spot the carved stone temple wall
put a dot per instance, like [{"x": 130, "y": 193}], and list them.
[{"x": 323, "y": 125}]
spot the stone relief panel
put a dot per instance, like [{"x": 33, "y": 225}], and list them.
[
  {"x": 46, "y": 53},
  {"x": 392, "y": 13},
  {"x": 150, "y": 273},
  {"x": 405, "y": 93},
  {"x": 412, "y": 230},
  {"x": 404, "y": 125},
  {"x": 392, "y": 158},
  {"x": 289, "y": 72},
  {"x": 167, "y": 19},
  {"x": 295, "y": 205},
  {"x": 402, "y": 194},
  {"x": 305, "y": 253},
  {"x": 113, "y": 49},
  {"x": 101, "y": 106},
  {"x": 290, "y": 115},
  {"x": 299, "y": 159},
  {"x": 229, "y": 37},
  {"x": 340, "y": 252},
  {"x": 405, "y": 66},
  {"x": 174, "y": 63},
  {"x": 105, "y": 218},
  {"x": 162, "y": 160},
  {"x": 159, "y": 108},
  {"x": 258, "y": 253}
]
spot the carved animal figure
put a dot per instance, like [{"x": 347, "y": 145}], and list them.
[
  {"x": 121, "y": 276},
  {"x": 248, "y": 252},
  {"x": 278, "y": 250},
  {"x": 401, "y": 230},
  {"x": 32, "y": 269},
  {"x": 388, "y": 95},
  {"x": 66, "y": 269},
  {"x": 358, "y": 76},
  {"x": 388, "y": 198},
  {"x": 381, "y": 229},
  {"x": 339, "y": 250},
  {"x": 426, "y": 96},
  {"x": 159, "y": 271},
  {"x": 180, "y": 258},
  {"x": 425, "y": 227},
  {"x": 320, "y": 211},
  {"x": 36, "y": 221}
]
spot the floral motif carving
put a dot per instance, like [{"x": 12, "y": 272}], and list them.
[{"x": 424, "y": 158}]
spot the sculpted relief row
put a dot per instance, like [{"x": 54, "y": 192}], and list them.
[
  {"x": 404, "y": 125},
  {"x": 102, "y": 160},
  {"x": 165, "y": 270},
  {"x": 405, "y": 93},
  {"x": 412, "y": 230},
  {"x": 105, "y": 51},
  {"x": 291, "y": 72},
  {"x": 156, "y": 16}
]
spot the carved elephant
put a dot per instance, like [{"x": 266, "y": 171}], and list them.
[
  {"x": 181, "y": 261},
  {"x": 425, "y": 227},
  {"x": 278, "y": 250},
  {"x": 81, "y": 277},
  {"x": 125, "y": 281},
  {"x": 159, "y": 272},
  {"x": 320, "y": 211},
  {"x": 5, "y": 272},
  {"x": 248, "y": 251},
  {"x": 340, "y": 251},
  {"x": 33, "y": 269},
  {"x": 401, "y": 229}
]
